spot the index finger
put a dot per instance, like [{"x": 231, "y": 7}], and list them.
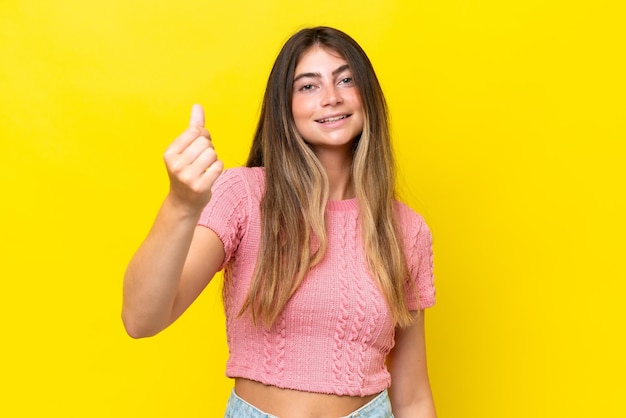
[{"x": 197, "y": 117}]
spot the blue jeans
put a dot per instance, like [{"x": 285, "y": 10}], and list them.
[{"x": 379, "y": 407}]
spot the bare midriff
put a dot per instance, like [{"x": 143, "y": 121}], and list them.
[{"x": 288, "y": 403}]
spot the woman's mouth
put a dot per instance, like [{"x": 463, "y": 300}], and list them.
[{"x": 332, "y": 119}]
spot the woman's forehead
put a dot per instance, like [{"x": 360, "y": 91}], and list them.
[{"x": 319, "y": 57}]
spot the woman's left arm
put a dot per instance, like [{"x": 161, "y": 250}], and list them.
[{"x": 410, "y": 392}]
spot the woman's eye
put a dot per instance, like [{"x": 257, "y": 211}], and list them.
[
  {"x": 346, "y": 80},
  {"x": 306, "y": 87}
]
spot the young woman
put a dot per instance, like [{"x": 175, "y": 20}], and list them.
[{"x": 326, "y": 274}]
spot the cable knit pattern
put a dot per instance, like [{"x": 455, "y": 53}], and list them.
[
  {"x": 336, "y": 331},
  {"x": 356, "y": 361},
  {"x": 339, "y": 336},
  {"x": 370, "y": 330}
]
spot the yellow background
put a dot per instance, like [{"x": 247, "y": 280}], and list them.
[{"x": 509, "y": 121}]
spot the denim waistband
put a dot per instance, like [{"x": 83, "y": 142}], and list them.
[{"x": 379, "y": 407}]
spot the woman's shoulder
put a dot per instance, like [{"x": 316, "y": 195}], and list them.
[
  {"x": 247, "y": 183},
  {"x": 237, "y": 191},
  {"x": 407, "y": 215},
  {"x": 253, "y": 177}
]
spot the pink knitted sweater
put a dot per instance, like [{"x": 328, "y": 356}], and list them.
[{"x": 336, "y": 331}]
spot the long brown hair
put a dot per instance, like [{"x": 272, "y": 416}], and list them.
[{"x": 293, "y": 234}]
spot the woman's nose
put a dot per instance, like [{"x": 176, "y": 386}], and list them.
[{"x": 332, "y": 96}]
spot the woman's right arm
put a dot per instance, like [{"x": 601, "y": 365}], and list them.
[{"x": 177, "y": 259}]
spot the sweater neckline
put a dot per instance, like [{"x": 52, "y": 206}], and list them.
[{"x": 342, "y": 205}]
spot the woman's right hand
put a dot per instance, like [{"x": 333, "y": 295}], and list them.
[
  {"x": 177, "y": 259},
  {"x": 192, "y": 165}
]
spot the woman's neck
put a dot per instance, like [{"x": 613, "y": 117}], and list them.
[{"x": 339, "y": 173}]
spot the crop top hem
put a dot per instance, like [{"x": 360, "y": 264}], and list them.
[{"x": 326, "y": 388}]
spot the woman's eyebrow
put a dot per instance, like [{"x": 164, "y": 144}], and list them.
[
  {"x": 318, "y": 75},
  {"x": 341, "y": 69}
]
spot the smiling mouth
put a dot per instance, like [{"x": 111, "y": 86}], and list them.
[{"x": 333, "y": 119}]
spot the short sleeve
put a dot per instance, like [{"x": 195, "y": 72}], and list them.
[
  {"x": 227, "y": 211},
  {"x": 420, "y": 291}
]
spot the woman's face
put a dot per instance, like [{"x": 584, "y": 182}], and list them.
[{"x": 326, "y": 104}]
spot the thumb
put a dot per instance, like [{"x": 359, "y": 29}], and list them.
[{"x": 197, "y": 117}]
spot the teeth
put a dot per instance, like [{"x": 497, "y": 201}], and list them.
[{"x": 336, "y": 118}]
